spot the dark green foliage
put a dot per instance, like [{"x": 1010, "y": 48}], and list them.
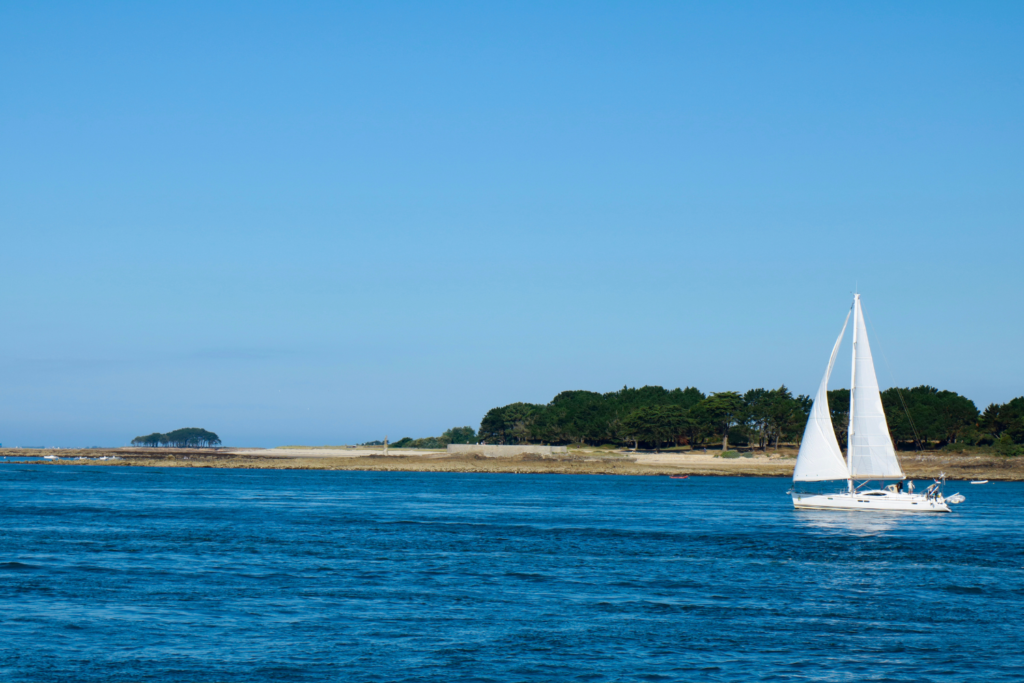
[
  {"x": 1005, "y": 445},
  {"x": 427, "y": 442},
  {"x": 189, "y": 437},
  {"x": 655, "y": 425},
  {"x": 934, "y": 416},
  {"x": 509, "y": 424},
  {"x": 760, "y": 417},
  {"x": 756, "y": 401},
  {"x": 839, "y": 407},
  {"x": 775, "y": 415},
  {"x": 460, "y": 435},
  {"x": 1005, "y": 420},
  {"x": 453, "y": 435},
  {"x": 580, "y": 416},
  {"x": 739, "y": 436},
  {"x": 720, "y": 412},
  {"x": 651, "y": 416},
  {"x": 152, "y": 440}
]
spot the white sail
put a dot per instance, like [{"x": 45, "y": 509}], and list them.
[
  {"x": 819, "y": 458},
  {"x": 871, "y": 455}
]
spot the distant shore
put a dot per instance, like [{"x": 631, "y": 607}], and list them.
[{"x": 925, "y": 465}]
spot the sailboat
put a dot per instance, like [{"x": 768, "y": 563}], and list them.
[{"x": 870, "y": 456}]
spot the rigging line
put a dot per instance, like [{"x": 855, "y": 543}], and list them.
[{"x": 895, "y": 384}]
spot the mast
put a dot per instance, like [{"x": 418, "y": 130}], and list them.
[
  {"x": 871, "y": 453},
  {"x": 853, "y": 385}
]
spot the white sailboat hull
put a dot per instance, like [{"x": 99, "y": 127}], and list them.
[{"x": 870, "y": 501}]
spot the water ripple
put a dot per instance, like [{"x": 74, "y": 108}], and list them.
[{"x": 119, "y": 574}]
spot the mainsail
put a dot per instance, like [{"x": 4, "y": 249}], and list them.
[
  {"x": 871, "y": 455},
  {"x": 819, "y": 458}
]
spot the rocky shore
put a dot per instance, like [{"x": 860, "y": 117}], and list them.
[{"x": 925, "y": 465}]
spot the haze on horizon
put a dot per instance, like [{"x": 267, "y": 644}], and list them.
[{"x": 323, "y": 224}]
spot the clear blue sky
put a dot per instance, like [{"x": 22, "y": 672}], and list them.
[{"x": 328, "y": 222}]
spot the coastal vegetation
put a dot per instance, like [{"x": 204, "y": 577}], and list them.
[
  {"x": 188, "y": 437},
  {"x": 453, "y": 435},
  {"x": 592, "y": 418},
  {"x": 653, "y": 417},
  {"x": 920, "y": 418}
]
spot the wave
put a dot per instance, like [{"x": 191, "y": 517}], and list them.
[{"x": 18, "y": 566}]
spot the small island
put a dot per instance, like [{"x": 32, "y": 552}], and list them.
[{"x": 187, "y": 437}]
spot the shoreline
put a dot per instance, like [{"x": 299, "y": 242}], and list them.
[{"x": 925, "y": 465}]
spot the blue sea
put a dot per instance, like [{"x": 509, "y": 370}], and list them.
[{"x": 153, "y": 574}]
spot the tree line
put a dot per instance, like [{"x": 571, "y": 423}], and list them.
[
  {"x": 652, "y": 417},
  {"x": 453, "y": 435},
  {"x": 918, "y": 417},
  {"x": 189, "y": 437}
]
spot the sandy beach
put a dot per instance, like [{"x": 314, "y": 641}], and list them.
[{"x": 780, "y": 463}]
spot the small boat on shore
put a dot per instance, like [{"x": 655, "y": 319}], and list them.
[{"x": 679, "y": 476}]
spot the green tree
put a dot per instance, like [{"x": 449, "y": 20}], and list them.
[
  {"x": 518, "y": 420},
  {"x": 1006, "y": 419},
  {"x": 428, "y": 442},
  {"x": 1006, "y": 446},
  {"x": 509, "y": 424},
  {"x": 787, "y": 415},
  {"x": 957, "y": 416},
  {"x": 580, "y": 416},
  {"x": 655, "y": 425},
  {"x": 188, "y": 437},
  {"x": 924, "y": 414},
  {"x": 723, "y": 410},
  {"x": 492, "y": 427},
  {"x": 757, "y": 414},
  {"x": 151, "y": 440},
  {"x": 460, "y": 435},
  {"x": 839, "y": 408}
]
